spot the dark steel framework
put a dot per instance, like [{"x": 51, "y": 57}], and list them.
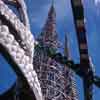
[
  {"x": 88, "y": 75},
  {"x": 84, "y": 68}
]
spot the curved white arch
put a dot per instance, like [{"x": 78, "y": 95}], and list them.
[
  {"x": 22, "y": 60},
  {"x": 23, "y": 10},
  {"x": 23, "y": 31}
]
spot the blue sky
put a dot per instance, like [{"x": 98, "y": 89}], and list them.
[{"x": 38, "y": 10}]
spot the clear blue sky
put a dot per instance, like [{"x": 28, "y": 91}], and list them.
[{"x": 38, "y": 10}]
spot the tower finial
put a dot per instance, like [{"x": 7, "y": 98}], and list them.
[
  {"x": 49, "y": 35},
  {"x": 66, "y": 48},
  {"x": 50, "y": 25},
  {"x": 52, "y": 2}
]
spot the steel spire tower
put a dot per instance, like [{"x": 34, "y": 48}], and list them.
[
  {"x": 50, "y": 25},
  {"x": 49, "y": 35},
  {"x": 54, "y": 77}
]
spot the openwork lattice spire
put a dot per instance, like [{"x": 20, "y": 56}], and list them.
[
  {"x": 50, "y": 25},
  {"x": 49, "y": 34}
]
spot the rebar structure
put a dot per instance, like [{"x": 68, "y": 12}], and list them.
[
  {"x": 56, "y": 80},
  {"x": 84, "y": 68}
]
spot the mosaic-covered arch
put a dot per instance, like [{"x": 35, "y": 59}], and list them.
[
  {"x": 25, "y": 34},
  {"x": 18, "y": 54}
]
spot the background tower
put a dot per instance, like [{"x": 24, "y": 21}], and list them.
[
  {"x": 73, "y": 91},
  {"x": 54, "y": 77}
]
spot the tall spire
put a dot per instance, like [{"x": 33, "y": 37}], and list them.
[
  {"x": 66, "y": 48},
  {"x": 52, "y": 2},
  {"x": 73, "y": 91},
  {"x": 49, "y": 35},
  {"x": 50, "y": 25}
]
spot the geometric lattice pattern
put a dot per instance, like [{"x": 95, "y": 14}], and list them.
[{"x": 55, "y": 78}]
